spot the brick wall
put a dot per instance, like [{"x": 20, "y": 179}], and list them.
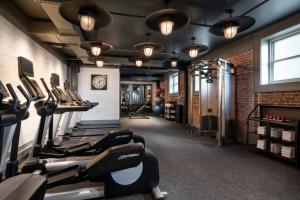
[
  {"x": 246, "y": 97},
  {"x": 244, "y": 90}
]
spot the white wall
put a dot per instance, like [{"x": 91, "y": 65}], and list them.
[
  {"x": 109, "y": 100},
  {"x": 15, "y": 43}
]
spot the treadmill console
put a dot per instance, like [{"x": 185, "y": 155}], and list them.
[{"x": 26, "y": 75}]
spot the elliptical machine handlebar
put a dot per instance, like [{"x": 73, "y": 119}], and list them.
[
  {"x": 15, "y": 102},
  {"x": 28, "y": 99},
  {"x": 50, "y": 95},
  {"x": 24, "y": 107}
]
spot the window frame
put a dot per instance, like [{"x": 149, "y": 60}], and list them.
[
  {"x": 169, "y": 85},
  {"x": 194, "y": 84},
  {"x": 271, "y": 60}
]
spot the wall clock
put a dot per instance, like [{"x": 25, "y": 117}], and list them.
[{"x": 98, "y": 82}]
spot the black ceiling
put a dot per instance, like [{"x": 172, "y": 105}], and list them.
[{"x": 125, "y": 31}]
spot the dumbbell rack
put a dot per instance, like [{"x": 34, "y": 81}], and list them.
[{"x": 256, "y": 116}]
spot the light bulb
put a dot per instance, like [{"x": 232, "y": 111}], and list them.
[
  {"x": 148, "y": 51},
  {"x": 230, "y": 31},
  {"x": 166, "y": 27},
  {"x": 138, "y": 63},
  {"x": 99, "y": 63},
  {"x": 193, "y": 52},
  {"x": 96, "y": 50},
  {"x": 87, "y": 22},
  {"x": 174, "y": 63}
]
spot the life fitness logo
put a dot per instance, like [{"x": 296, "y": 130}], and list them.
[
  {"x": 132, "y": 155},
  {"x": 121, "y": 136}
]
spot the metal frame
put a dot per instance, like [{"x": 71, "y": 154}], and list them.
[{"x": 225, "y": 97}]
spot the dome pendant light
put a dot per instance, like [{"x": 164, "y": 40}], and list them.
[
  {"x": 148, "y": 51},
  {"x": 174, "y": 60},
  {"x": 99, "y": 63},
  {"x": 96, "y": 50},
  {"x": 148, "y": 48},
  {"x": 85, "y": 13},
  {"x": 138, "y": 62},
  {"x": 231, "y": 26},
  {"x": 230, "y": 31},
  {"x": 167, "y": 20},
  {"x": 166, "y": 27},
  {"x": 87, "y": 22},
  {"x": 97, "y": 60},
  {"x": 96, "y": 47},
  {"x": 194, "y": 49}
]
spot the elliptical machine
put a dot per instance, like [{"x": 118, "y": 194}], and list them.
[
  {"x": 120, "y": 170},
  {"x": 11, "y": 112}
]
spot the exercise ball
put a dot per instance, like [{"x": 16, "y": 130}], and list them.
[
  {"x": 158, "y": 91},
  {"x": 158, "y": 100},
  {"x": 158, "y": 109}
]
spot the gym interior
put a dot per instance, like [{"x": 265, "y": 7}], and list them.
[{"x": 139, "y": 99}]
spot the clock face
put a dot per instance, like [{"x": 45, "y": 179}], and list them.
[{"x": 99, "y": 82}]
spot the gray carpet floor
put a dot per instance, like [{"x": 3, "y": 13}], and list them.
[{"x": 195, "y": 168}]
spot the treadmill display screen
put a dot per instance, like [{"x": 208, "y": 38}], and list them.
[
  {"x": 25, "y": 67},
  {"x": 55, "y": 79}
]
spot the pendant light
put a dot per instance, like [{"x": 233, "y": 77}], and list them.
[
  {"x": 138, "y": 62},
  {"x": 166, "y": 26},
  {"x": 87, "y": 21},
  {"x": 148, "y": 48},
  {"x": 194, "y": 49},
  {"x": 230, "y": 31},
  {"x": 85, "y": 13},
  {"x": 99, "y": 63},
  {"x": 97, "y": 60},
  {"x": 231, "y": 26},
  {"x": 96, "y": 47},
  {"x": 167, "y": 20},
  {"x": 174, "y": 60}
]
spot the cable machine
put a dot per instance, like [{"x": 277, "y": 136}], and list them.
[{"x": 216, "y": 96}]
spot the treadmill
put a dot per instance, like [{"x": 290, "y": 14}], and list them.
[{"x": 84, "y": 128}]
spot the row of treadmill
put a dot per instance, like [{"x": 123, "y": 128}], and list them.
[{"x": 72, "y": 166}]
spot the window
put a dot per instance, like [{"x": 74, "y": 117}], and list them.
[
  {"x": 173, "y": 83},
  {"x": 196, "y": 81},
  {"x": 280, "y": 58}
]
